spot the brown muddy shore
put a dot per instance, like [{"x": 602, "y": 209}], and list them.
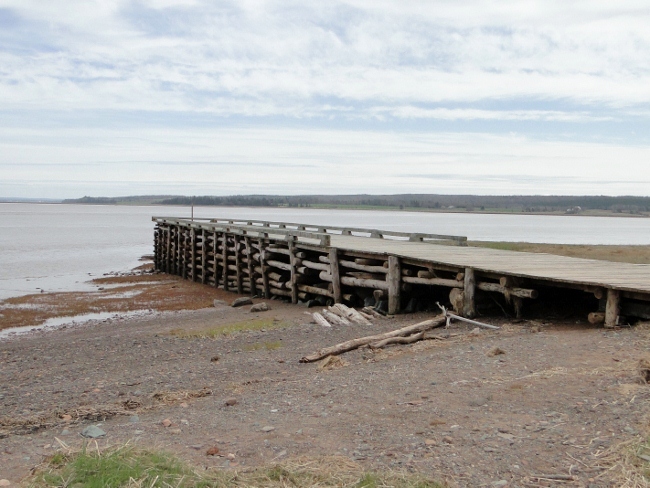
[{"x": 561, "y": 404}]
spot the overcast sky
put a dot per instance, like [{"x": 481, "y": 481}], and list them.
[{"x": 113, "y": 97}]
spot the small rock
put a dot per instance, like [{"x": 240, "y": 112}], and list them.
[
  {"x": 500, "y": 483},
  {"x": 5, "y": 483},
  {"x": 219, "y": 303},
  {"x": 196, "y": 447},
  {"x": 240, "y": 302},
  {"x": 138, "y": 432},
  {"x": 93, "y": 432},
  {"x": 134, "y": 419},
  {"x": 447, "y": 439},
  {"x": 214, "y": 359},
  {"x": 496, "y": 351},
  {"x": 268, "y": 428},
  {"x": 260, "y": 307},
  {"x": 231, "y": 456},
  {"x": 175, "y": 431},
  {"x": 281, "y": 454},
  {"x": 185, "y": 422},
  {"x": 213, "y": 451},
  {"x": 65, "y": 432},
  {"x": 166, "y": 423},
  {"x": 66, "y": 417},
  {"x": 184, "y": 405},
  {"x": 474, "y": 332},
  {"x": 231, "y": 401},
  {"x": 430, "y": 442}
]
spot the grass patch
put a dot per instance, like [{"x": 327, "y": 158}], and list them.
[
  {"x": 623, "y": 254},
  {"x": 130, "y": 467},
  {"x": 228, "y": 329},
  {"x": 268, "y": 345}
]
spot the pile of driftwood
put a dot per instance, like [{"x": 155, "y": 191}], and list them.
[
  {"x": 405, "y": 335},
  {"x": 340, "y": 314}
]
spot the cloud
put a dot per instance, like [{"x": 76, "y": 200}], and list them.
[{"x": 367, "y": 90}]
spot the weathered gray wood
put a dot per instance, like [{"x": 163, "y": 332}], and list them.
[
  {"x": 215, "y": 261},
  {"x": 294, "y": 272},
  {"x": 612, "y": 308},
  {"x": 238, "y": 264},
  {"x": 469, "y": 307},
  {"x": 393, "y": 279},
  {"x": 204, "y": 257},
  {"x": 224, "y": 266},
  {"x": 356, "y": 343},
  {"x": 433, "y": 281},
  {"x": 362, "y": 267},
  {"x": 247, "y": 243},
  {"x": 279, "y": 264},
  {"x": 318, "y": 266},
  {"x": 515, "y": 292},
  {"x": 315, "y": 290},
  {"x": 335, "y": 273}
]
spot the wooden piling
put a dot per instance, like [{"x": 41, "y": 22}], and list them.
[
  {"x": 612, "y": 309},
  {"x": 336, "y": 275},
  {"x": 394, "y": 279},
  {"x": 469, "y": 305}
]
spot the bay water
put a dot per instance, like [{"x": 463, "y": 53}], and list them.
[{"x": 58, "y": 247}]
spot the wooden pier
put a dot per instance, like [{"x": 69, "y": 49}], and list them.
[{"x": 341, "y": 264}]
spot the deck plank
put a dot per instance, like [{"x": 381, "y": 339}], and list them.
[{"x": 562, "y": 269}]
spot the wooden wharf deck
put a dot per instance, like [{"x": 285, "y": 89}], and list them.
[{"x": 303, "y": 262}]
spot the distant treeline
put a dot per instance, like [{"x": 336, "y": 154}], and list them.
[
  {"x": 517, "y": 203},
  {"x": 469, "y": 202}
]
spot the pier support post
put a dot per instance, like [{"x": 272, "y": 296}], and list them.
[
  {"x": 469, "y": 304},
  {"x": 168, "y": 249},
  {"x": 612, "y": 308},
  {"x": 238, "y": 263},
  {"x": 294, "y": 271},
  {"x": 204, "y": 256},
  {"x": 265, "y": 273},
  {"x": 215, "y": 252},
  {"x": 249, "y": 258},
  {"x": 394, "y": 278},
  {"x": 193, "y": 254},
  {"x": 224, "y": 270},
  {"x": 336, "y": 275}
]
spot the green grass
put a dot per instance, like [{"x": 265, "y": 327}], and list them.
[
  {"x": 268, "y": 345},
  {"x": 130, "y": 467},
  {"x": 120, "y": 467},
  {"x": 228, "y": 329}
]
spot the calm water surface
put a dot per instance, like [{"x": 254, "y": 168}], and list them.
[{"x": 60, "y": 247}]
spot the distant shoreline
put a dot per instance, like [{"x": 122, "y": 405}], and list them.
[{"x": 460, "y": 211}]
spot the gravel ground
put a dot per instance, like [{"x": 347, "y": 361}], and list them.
[{"x": 557, "y": 400}]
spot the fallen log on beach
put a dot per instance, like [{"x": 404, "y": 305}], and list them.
[{"x": 373, "y": 339}]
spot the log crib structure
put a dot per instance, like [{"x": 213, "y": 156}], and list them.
[{"x": 394, "y": 270}]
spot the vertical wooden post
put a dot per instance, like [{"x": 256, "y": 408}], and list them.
[
  {"x": 168, "y": 246},
  {"x": 193, "y": 254},
  {"x": 394, "y": 278},
  {"x": 215, "y": 253},
  {"x": 336, "y": 274},
  {"x": 156, "y": 247},
  {"x": 238, "y": 264},
  {"x": 294, "y": 271},
  {"x": 204, "y": 256},
  {"x": 612, "y": 309},
  {"x": 177, "y": 256},
  {"x": 469, "y": 305},
  {"x": 224, "y": 243},
  {"x": 249, "y": 257},
  {"x": 184, "y": 253},
  {"x": 265, "y": 276}
]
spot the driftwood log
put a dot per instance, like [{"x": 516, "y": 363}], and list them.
[{"x": 362, "y": 341}]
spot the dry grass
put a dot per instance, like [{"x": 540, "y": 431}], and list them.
[
  {"x": 626, "y": 465},
  {"x": 129, "y": 467},
  {"x": 623, "y": 254}
]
